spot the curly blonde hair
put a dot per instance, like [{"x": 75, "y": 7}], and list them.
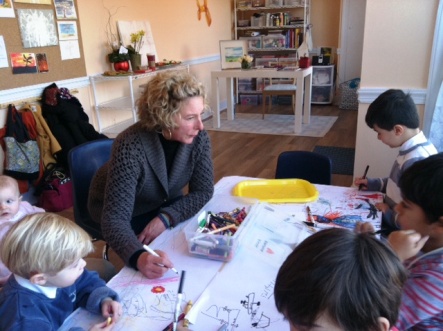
[
  {"x": 163, "y": 97},
  {"x": 43, "y": 243}
]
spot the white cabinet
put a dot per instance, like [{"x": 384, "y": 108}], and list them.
[
  {"x": 126, "y": 103},
  {"x": 323, "y": 84}
]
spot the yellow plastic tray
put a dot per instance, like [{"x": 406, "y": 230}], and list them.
[{"x": 277, "y": 190}]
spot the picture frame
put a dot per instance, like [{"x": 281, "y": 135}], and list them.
[
  {"x": 231, "y": 51},
  {"x": 67, "y": 30}
]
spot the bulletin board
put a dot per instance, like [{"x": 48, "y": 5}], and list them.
[{"x": 58, "y": 69}]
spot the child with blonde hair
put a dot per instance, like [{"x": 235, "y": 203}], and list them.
[
  {"x": 12, "y": 208},
  {"x": 44, "y": 252}
]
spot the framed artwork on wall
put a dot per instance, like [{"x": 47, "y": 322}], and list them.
[{"x": 231, "y": 51}]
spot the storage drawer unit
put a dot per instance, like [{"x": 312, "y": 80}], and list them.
[{"x": 323, "y": 84}]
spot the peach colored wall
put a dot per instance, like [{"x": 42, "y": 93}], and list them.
[
  {"x": 325, "y": 18},
  {"x": 396, "y": 53},
  {"x": 398, "y": 42},
  {"x": 177, "y": 32}
]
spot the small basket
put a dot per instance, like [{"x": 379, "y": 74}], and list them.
[{"x": 348, "y": 94}]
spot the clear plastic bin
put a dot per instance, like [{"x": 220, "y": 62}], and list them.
[
  {"x": 274, "y": 3},
  {"x": 274, "y": 41},
  {"x": 253, "y": 42},
  {"x": 292, "y": 2},
  {"x": 258, "y": 21},
  {"x": 216, "y": 246}
]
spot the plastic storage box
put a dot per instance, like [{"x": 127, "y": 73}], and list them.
[
  {"x": 216, "y": 246},
  {"x": 274, "y": 3},
  {"x": 291, "y": 2},
  {"x": 274, "y": 41},
  {"x": 244, "y": 3},
  {"x": 249, "y": 99},
  {"x": 253, "y": 42},
  {"x": 258, "y": 21}
]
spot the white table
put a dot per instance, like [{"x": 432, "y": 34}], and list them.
[
  {"x": 143, "y": 309},
  {"x": 302, "y": 100}
]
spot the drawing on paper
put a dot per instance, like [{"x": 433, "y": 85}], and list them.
[
  {"x": 223, "y": 315},
  {"x": 354, "y": 207}
]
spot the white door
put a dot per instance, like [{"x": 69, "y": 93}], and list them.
[{"x": 351, "y": 43}]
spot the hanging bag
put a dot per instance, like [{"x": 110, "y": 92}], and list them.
[
  {"x": 22, "y": 155},
  {"x": 54, "y": 189}
]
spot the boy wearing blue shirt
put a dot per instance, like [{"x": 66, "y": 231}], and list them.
[{"x": 44, "y": 252}]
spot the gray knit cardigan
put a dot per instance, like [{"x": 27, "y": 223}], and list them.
[{"x": 135, "y": 181}]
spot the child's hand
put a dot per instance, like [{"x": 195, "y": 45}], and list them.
[
  {"x": 111, "y": 308},
  {"x": 383, "y": 207},
  {"x": 363, "y": 227},
  {"x": 361, "y": 181},
  {"x": 103, "y": 326},
  {"x": 406, "y": 243}
]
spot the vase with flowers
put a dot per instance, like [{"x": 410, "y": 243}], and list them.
[
  {"x": 246, "y": 61},
  {"x": 134, "y": 49}
]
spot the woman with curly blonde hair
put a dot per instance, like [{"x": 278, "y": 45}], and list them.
[{"x": 139, "y": 193}]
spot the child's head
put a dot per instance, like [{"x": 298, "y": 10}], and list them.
[
  {"x": 391, "y": 108},
  {"x": 421, "y": 187},
  {"x": 46, "y": 244},
  {"x": 9, "y": 197},
  {"x": 392, "y": 111},
  {"x": 340, "y": 280}
]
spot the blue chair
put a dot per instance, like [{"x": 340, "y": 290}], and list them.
[
  {"x": 313, "y": 167},
  {"x": 84, "y": 160}
]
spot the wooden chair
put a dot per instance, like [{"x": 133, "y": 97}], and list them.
[{"x": 278, "y": 89}]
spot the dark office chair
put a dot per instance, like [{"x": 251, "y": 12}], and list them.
[
  {"x": 84, "y": 160},
  {"x": 313, "y": 167}
]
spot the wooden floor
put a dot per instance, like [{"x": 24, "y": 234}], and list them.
[{"x": 255, "y": 155}]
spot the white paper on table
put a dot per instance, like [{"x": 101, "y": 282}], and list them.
[{"x": 239, "y": 297}]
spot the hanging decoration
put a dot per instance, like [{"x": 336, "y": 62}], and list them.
[{"x": 204, "y": 9}]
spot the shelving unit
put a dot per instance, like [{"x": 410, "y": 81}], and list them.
[
  {"x": 282, "y": 26},
  {"x": 287, "y": 16},
  {"x": 323, "y": 84},
  {"x": 126, "y": 103}
]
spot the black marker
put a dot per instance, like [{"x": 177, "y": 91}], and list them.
[{"x": 364, "y": 177}]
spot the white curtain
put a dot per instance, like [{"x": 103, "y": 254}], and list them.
[
  {"x": 436, "y": 130},
  {"x": 433, "y": 116}
]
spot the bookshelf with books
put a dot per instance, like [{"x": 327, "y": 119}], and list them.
[
  {"x": 274, "y": 29},
  {"x": 271, "y": 26}
]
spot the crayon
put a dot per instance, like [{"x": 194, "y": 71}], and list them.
[{"x": 187, "y": 309}]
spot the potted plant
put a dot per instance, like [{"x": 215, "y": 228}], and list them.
[
  {"x": 246, "y": 61},
  {"x": 120, "y": 60},
  {"x": 134, "y": 49}
]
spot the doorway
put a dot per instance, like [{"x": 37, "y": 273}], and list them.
[{"x": 351, "y": 39}]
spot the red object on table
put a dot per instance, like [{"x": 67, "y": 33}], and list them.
[{"x": 304, "y": 62}]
